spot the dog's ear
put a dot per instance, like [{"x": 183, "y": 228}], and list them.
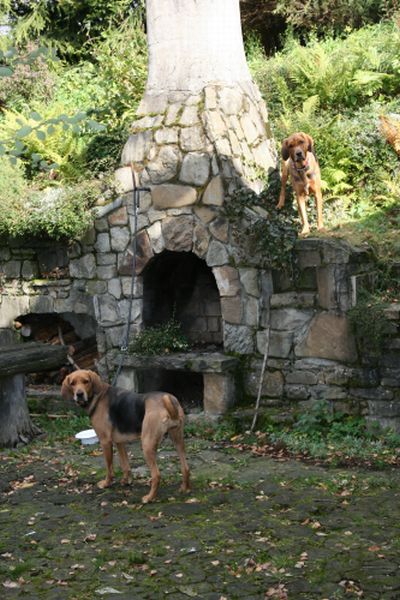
[
  {"x": 66, "y": 390},
  {"x": 285, "y": 149},
  {"x": 96, "y": 382},
  {"x": 310, "y": 143}
]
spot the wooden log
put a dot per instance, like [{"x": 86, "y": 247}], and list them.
[{"x": 30, "y": 357}]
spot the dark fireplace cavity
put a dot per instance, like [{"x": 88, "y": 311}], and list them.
[{"x": 181, "y": 285}]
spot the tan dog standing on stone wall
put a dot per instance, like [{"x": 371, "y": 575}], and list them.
[
  {"x": 299, "y": 161},
  {"x": 119, "y": 416}
]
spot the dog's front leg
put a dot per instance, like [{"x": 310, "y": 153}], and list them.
[
  {"x": 301, "y": 204},
  {"x": 282, "y": 195},
  {"x": 107, "y": 448}
]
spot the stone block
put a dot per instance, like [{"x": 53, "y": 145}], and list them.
[
  {"x": 30, "y": 269},
  {"x": 84, "y": 267},
  {"x": 189, "y": 116},
  {"x": 195, "y": 168},
  {"x": 238, "y": 338},
  {"x": 12, "y": 269},
  {"x": 289, "y": 319},
  {"x": 123, "y": 180},
  {"x": 114, "y": 287},
  {"x": 249, "y": 281},
  {"x": 301, "y": 377},
  {"x": 118, "y": 217},
  {"x": 384, "y": 408},
  {"x": 144, "y": 253},
  {"x": 272, "y": 385},
  {"x": 214, "y": 193},
  {"x": 205, "y": 214},
  {"x": 120, "y": 237},
  {"x": 173, "y": 196},
  {"x": 219, "y": 229},
  {"x": 201, "y": 240},
  {"x": 192, "y": 139},
  {"x": 106, "y": 272},
  {"x": 251, "y": 312},
  {"x": 217, "y": 254},
  {"x": 164, "y": 167},
  {"x": 280, "y": 344},
  {"x": 231, "y": 309},
  {"x": 219, "y": 393},
  {"x": 329, "y": 336},
  {"x": 178, "y": 233},
  {"x": 166, "y": 135},
  {"x": 227, "y": 279},
  {"x": 296, "y": 392},
  {"x": 156, "y": 237},
  {"x": 102, "y": 243},
  {"x": 106, "y": 259}
]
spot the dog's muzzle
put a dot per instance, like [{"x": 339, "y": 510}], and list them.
[{"x": 81, "y": 398}]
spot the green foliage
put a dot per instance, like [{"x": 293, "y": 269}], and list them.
[
  {"x": 369, "y": 324},
  {"x": 342, "y": 72},
  {"x": 321, "y": 420},
  {"x": 161, "y": 339},
  {"x": 260, "y": 228},
  {"x": 72, "y": 27},
  {"x": 333, "y": 15},
  {"x": 53, "y": 213},
  {"x": 335, "y": 89}
]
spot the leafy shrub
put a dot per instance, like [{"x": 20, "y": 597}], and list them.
[
  {"x": 54, "y": 213},
  {"x": 369, "y": 324},
  {"x": 160, "y": 339},
  {"x": 341, "y": 72},
  {"x": 333, "y": 15}
]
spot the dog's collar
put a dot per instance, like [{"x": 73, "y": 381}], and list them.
[{"x": 93, "y": 405}]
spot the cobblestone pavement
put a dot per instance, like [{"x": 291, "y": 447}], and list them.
[{"x": 253, "y": 528}]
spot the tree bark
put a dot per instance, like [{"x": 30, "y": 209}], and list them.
[
  {"x": 15, "y": 359},
  {"x": 30, "y": 357},
  {"x": 193, "y": 43},
  {"x": 15, "y": 423}
]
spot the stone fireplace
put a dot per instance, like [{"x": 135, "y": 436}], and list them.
[{"x": 180, "y": 285}]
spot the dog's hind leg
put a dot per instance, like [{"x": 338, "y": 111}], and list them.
[
  {"x": 152, "y": 434},
  {"x": 318, "y": 201},
  {"x": 176, "y": 435},
  {"x": 124, "y": 462}
]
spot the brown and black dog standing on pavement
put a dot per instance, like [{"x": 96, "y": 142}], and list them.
[
  {"x": 119, "y": 416},
  {"x": 299, "y": 161}
]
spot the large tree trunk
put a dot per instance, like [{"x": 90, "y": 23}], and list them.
[
  {"x": 15, "y": 423},
  {"x": 193, "y": 43},
  {"x": 200, "y": 101},
  {"x": 15, "y": 359}
]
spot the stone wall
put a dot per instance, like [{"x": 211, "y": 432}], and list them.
[{"x": 312, "y": 352}]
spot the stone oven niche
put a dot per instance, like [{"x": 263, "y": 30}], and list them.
[
  {"x": 185, "y": 385},
  {"x": 181, "y": 285},
  {"x": 76, "y": 331}
]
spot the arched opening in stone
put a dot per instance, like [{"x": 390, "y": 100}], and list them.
[
  {"x": 186, "y": 386},
  {"x": 181, "y": 285},
  {"x": 77, "y": 331}
]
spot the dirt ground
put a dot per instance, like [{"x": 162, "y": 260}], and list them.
[{"x": 252, "y": 528}]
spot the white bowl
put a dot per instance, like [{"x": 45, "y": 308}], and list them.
[{"x": 88, "y": 436}]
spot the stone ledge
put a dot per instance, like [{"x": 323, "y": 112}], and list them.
[{"x": 197, "y": 362}]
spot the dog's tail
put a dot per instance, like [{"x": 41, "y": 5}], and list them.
[{"x": 171, "y": 405}]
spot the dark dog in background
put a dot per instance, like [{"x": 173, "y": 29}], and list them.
[
  {"x": 119, "y": 416},
  {"x": 299, "y": 161}
]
